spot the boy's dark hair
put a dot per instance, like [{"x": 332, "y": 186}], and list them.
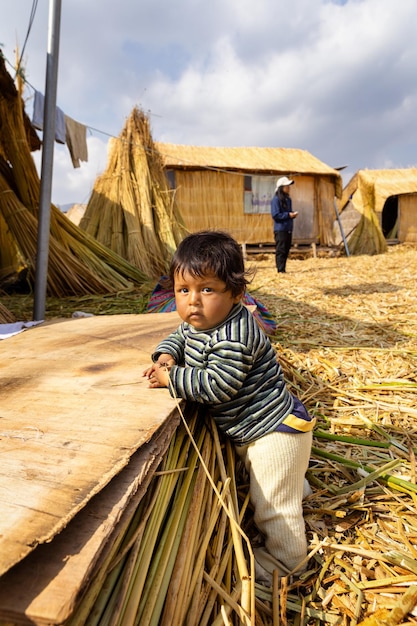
[{"x": 211, "y": 251}]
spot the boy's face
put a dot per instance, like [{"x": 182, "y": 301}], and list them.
[{"x": 202, "y": 300}]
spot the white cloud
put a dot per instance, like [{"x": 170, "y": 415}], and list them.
[
  {"x": 75, "y": 184},
  {"x": 335, "y": 78}
]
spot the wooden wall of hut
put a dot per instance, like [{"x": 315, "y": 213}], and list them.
[
  {"x": 407, "y": 223},
  {"x": 215, "y": 200}
]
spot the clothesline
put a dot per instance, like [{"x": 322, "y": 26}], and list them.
[
  {"x": 67, "y": 130},
  {"x": 74, "y": 134}
]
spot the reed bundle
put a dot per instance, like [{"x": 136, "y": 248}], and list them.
[
  {"x": 86, "y": 265},
  {"x": 181, "y": 559},
  {"x": 367, "y": 237},
  {"x": 6, "y": 317},
  {"x": 131, "y": 209},
  {"x": 66, "y": 274},
  {"x": 9, "y": 253}
]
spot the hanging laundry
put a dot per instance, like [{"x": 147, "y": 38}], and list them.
[
  {"x": 37, "y": 118},
  {"x": 76, "y": 136}
]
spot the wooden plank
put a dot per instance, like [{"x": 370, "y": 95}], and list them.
[
  {"x": 48, "y": 585},
  {"x": 74, "y": 409}
]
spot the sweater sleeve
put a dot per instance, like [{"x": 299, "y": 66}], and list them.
[
  {"x": 174, "y": 345},
  {"x": 227, "y": 367}
]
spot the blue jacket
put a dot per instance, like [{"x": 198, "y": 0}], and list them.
[{"x": 281, "y": 214}]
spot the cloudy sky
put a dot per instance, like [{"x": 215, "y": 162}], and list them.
[{"x": 335, "y": 77}]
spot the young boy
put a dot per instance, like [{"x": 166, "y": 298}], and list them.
[{"x": 219, "y": 356}]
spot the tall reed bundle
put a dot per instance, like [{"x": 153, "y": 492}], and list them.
[
  {"x": 66, "y": 274},
  {"x": 131, "y": 209},
  {"x": 14, "y": 142},
  {"x": 86, "y": 266},
  {"x": 6, "y": 317},
  {"x": 167, "y": 219},
  {"x": 367, "y": 237},
  {"x": 9, "y": 254}
]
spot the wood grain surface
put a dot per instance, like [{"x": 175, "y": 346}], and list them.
[{"x": 74, "y": 409}]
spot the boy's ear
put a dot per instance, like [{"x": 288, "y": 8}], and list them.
[{"x": 237, "y": 298}]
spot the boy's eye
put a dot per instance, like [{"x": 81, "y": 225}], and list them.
[
  {"x": 183, "y": 290},
  {"x": 207, "y": 290}
]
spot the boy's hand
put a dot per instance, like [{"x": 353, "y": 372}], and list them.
[
  {"x": 166, "y": 360},
  {"x": 160, "y": 376},
  {"x": 158, "y": 373}
]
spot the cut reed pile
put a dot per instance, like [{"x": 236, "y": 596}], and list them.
[
  {"x": 131, "y": 209},
  {"x": 367, "y": 237},
  {"x": 347, "y": 340}
]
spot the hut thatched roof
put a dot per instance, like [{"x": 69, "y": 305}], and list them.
[
  {"x": 373, "y": 187},
  {"x": 250, "y": 159}
]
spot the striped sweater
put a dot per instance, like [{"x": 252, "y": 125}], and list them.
[{"x": 233, "y": 369}]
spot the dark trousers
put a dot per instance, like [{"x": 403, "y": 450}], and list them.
[{"x": 283, "y": 239}]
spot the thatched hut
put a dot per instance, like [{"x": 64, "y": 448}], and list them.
[
  {"x": 385, "y": 202},
  {"x": 232, "y": 188}
]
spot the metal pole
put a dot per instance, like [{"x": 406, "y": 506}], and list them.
[{"x": 41, "y": 274}]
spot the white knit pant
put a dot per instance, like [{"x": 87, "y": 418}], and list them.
[{"x": 277, "y": 464}]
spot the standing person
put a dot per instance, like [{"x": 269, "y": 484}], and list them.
[
  {"x": 219, "y": 356},
  {"x": 283, "y": 216}
]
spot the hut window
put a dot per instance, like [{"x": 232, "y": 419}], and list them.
[
  {"x": 247, "y": 201},
  {"x": 258, "y": 193},
  {"x": 171, "y": 178}
]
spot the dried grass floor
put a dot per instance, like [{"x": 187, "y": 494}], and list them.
[{"x": 347, "y": 339}]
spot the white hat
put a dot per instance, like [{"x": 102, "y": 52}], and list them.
[{"x": 282, "y": 182}]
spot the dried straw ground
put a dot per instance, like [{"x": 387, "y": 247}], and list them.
[{"x": 347, "y": 339}]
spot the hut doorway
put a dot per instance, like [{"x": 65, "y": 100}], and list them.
[{"x": 389, "y": 217}]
